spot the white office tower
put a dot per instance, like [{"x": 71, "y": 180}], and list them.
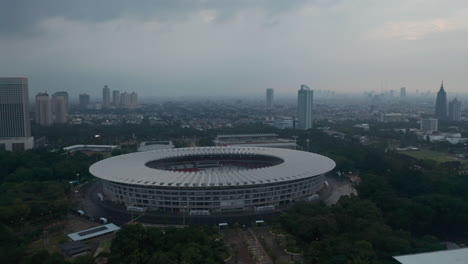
[
  {"x": 304, "y": 107},
  {"x": 270, "y": 96},
  {"x": 455, "y": 110},
  {"x": 429, "y": 125},
  {"x": 106, "y": 97},
  {"x": 15, "y": 129},
  {"x": 116, "y": 97},
  {"x": 43, "y": 115},
  {"x": 60, "y": 109}
]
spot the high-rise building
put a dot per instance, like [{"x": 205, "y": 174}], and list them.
[
  {"x": 15, "y": 128},
  {"x": 403, "y": 92},
  {"x": 43, "y": 115},
  {"x": 441, "y": 103},
  {"x": 59, "y": 108},
  {"x": 65, "y": 95},
  {"x": 125, "y": 99},
  {"x": 116, "y": 97},
  {"x": 84, "y": 101},
  {"x": 304, "y": 107},
  {"x": 454, "y": 110},
  {"x": 270, "y": 93},
  {"x": 134, "y": 99},
  {"x": 429, "y": 125},
  {"x": 106, "y": 97}
]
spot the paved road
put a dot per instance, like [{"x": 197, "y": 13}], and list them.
[{"x": 337, "y": 188}]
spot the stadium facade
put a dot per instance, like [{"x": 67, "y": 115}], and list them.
[{"x": 212, "y": 180}]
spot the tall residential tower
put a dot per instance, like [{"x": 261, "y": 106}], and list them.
[
  {"x": 116, "y": 98},
  {"x": 270, "y": 96},
  {"x": 454, "y": 108},
  {"x": 304, "y": 107},
  {"x": 106, "y": 97},
  {"x": 43, "y": 114},
  {"x": 60, "y": 107},
  {"x": 84, "y": 101}
]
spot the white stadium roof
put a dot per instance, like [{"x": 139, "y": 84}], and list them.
[
  {"x": 131, "y": 168},
  {"x": 455, "y": 256}
]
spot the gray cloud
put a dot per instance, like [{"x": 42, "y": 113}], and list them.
[
  {"x": 19, "y": 16},
  {"x": 206, "y": 47}
]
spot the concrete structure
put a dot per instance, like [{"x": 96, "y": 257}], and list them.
[
  {"x": 283, "y": 122},
  {"x": 84, "y": 101},
  {"x": 16, "y": 143},
  {"x": 134, "y": 99},
  {"x": 441, "y": 103},
  {"x": 90, "y": 148},
  {"x": 155, "y": 145},
  {"x": 93, "y": 232},
  {"x": 125, "y": 99},
  {"x": 270, "y": 96},
  {"x": 64, "y": 95},
  {"x": 215, "y": 180},
  {"x": 393, "y": 117},
  {"x": 429, "y": 125},
  {"x": 255, "y": 140},
  {"x": 454, "y": 108},
  {"x": 106, "y": 97},
  {"x": 15, "y": 127},
  {"x": 43, "y": 114},
  {"x": 75, "y": 248},
  {"x": 452, "y": 138},
  {"x": 116, "y": 98},
  {"x": 60, "y": 108},
  {"x": 455, "y": 256},
  {"x": 304, "y": 107},
  {"x": 403, "y": 92},
  {"x": 14, "y": 108}
]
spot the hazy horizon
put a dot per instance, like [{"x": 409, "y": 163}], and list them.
[{"x": 234, "y": 48}]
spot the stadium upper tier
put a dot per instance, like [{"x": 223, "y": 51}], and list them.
[{"x": 211, "y": 167}]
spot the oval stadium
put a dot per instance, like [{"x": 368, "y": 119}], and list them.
[{"x": 212, "y": 180}]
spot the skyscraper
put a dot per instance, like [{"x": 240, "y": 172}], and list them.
[
  {"x": 304, "y": 107},
  {"x": 441, "y": 103},
  {"x": 106, "y": 97},
  {"x": 134, "y": 99},
  {"x": 454, "y": 110},
  {"x": 270, "y": 93},
  {"x": 125, "y": 99},
  {"x": 59, "y": 106},
  {"x": 15, "y": 129},
  {"x": 403, "y": 92},
  {"x": 43, "y": 115},
  {"x": 65, "y": 95},
  {"x": 84, "y": 101},
  {"x": 116, "y": 97}
]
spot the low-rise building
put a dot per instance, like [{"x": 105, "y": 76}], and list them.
[{"x": 255, "y": 140}]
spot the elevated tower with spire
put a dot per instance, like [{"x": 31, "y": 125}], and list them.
[{"x": 441, "y": 103}]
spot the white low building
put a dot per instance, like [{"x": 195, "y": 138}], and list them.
[{"x": 16, "y": 143}]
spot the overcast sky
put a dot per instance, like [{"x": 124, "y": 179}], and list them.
[{"x": 234, "y": 47}]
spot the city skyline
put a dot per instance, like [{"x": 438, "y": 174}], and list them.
[{"x": 235, "y": 48}]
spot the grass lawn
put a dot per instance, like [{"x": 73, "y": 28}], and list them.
[
  {"x": 431, "y": 155},
  {"x": 53, "y": 243}
]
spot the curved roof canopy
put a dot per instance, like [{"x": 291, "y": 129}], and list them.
[{"x": 131, "y": 168}]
